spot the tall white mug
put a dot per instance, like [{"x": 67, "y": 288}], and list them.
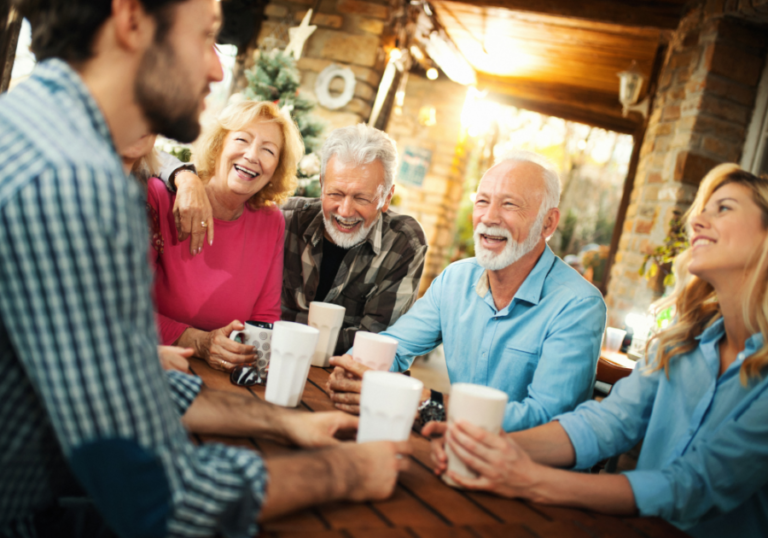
[
  {"x": 388, "y": 403},
  {"x": 375, "y": 351},
  {"x": 328, "y": 319},
  {"x": 479, "y": 405},
  {"x": 292, "y": 347}
]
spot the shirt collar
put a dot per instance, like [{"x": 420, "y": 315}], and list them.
[
  {"x": 715, "y": 332},
  {"x": 59, "y": 77},
  {"x": 531, "y": 288},
  {"x": 316, "y": 229}
]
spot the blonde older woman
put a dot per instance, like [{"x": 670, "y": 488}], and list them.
[
  {"x": 700, "y": 400},
  {"x": 248, "y": 161}
]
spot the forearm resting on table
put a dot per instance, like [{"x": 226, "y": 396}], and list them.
[
  {"x": 606, "y": 493},
  {"x": 304, "y": 480},
  {"x": 547, "y": 444},
  {"x": 224, "y": 413},
  {"x": 190, "y": 338}
]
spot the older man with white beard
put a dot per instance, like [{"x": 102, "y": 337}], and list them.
[
  {"x": 346, "y": 248},
  {"x": 515, "y": 317}
]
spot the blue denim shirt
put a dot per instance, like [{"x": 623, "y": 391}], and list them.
[
  {"x": 704, "y": 462},
  {"x": 541, "y": 349}
]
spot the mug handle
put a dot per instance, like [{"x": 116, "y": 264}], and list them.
[{"x": 234, "y": 334}]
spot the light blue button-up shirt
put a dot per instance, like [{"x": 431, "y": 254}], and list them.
[
  {"x": 704, "y": 462},
  {"x": 541, "y": 349}
]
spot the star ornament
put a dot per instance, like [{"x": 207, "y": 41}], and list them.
[{"x": 299, "y": 36}]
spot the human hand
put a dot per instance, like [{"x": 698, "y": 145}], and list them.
[
  {"x": 221, "y": 353},
  {"x": 435, "y": 431},
  {"x": 174, "y": 358},
  {"x": 345, "y": 383},
  {"x": 191, "y": 209},
  {"x": 503, "y": 466},
  {"x": 315, "y": 430},
  {"x": 370, "y": 469}
]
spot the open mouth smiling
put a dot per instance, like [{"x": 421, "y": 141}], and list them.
[
  {"x": 247, "y": 171},
  {"x": 346, "y": 225},
  {"x": 493, "y": 238}
]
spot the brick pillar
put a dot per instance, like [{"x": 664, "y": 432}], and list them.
[
  {"x": 436, "y": 202},
  {"x": 701, "y": 112},
  {"x": 350, "y": 33}
]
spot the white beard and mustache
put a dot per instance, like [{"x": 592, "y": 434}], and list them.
[
  {"x": 346, "y": 240},
  {"x": 513, "y": 250}
]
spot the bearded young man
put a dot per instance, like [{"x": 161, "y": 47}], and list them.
[
  {"x": 515, "y": 317},
  {"x": 87, "y": 411}
]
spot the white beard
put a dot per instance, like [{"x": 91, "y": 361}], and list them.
[
  {"x": 346, "y": 240},
  {"x": 513, "y": 250}
]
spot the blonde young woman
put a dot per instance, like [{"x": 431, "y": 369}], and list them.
[
  {"x": 248, "y": 161},
  {"x": 700, "y": 402}
]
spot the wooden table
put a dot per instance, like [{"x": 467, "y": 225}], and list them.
[{"x": 422, "y": 506}]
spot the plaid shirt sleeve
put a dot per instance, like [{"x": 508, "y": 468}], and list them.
[
  {"x": 396, "y": 284},
  {"x": 184, "y": 389},
  {"x": 75, "y": 300}
]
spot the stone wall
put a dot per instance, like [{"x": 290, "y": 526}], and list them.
[
  {"x": 435, "y": 202},
  {"x": 701, "y": 112},
  {"x": 350, "y": 33}
]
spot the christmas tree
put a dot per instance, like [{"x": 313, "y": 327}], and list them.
[{"x": 275, "y": 78}]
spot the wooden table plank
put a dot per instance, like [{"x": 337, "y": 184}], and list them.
[
  {"x": 379, "y": 533},
  {"x": 451, "y": 532},
  {"x": 656, "y": 527},
  {"x": 422, "y": 505}
]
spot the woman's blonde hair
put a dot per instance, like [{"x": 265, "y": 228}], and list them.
[
  {"x": 695, "y": 301},
  {"x": 236, "y": 117}
]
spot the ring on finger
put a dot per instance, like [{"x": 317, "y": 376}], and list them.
[{"x": 204, "y": 224}]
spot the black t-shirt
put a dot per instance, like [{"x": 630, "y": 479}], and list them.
[{"x": 333, "y": 255}]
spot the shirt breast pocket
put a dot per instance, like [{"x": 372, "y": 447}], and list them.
[
  {"x": 520, "y": 361},
  {"x": 354, "y": 297}
]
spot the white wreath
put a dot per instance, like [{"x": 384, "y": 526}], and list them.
[{"x": 323, "y": 85}]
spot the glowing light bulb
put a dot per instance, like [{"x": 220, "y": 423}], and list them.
[{"x": 432, "y": 73}]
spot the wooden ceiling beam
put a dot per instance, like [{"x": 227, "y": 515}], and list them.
[
  {"x": 639, "y": 13},
  {"x": 601, "y": 109}
]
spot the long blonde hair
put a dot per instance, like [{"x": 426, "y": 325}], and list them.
[
  {"x": 695, "y": 300},
  {"x": 237, "y": 116}
]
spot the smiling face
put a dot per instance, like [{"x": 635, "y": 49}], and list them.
[
  {"x": 352, "y": 200},
  {"x": 249, "y": 158},
  {"x": 727, "y": 235},
  {"x": 506, "y": 217}
]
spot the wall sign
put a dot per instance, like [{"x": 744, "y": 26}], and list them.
[{"x": 414, "y": 166}]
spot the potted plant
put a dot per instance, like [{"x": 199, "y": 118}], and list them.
[{"x": 657, "y": 265}]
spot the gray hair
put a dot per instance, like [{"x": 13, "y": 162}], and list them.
[
  {"x": 361, "y": 144},
  {"x": 551, "y": 179}
]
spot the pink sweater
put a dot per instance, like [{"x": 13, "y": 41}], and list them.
[{"x": 239, "y": 277}]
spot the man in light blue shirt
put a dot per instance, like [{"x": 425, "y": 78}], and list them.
[{"x": 516, "y": 317}]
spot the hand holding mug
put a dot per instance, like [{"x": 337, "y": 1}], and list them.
[
  {"x": 345, "y": 383},
  {"x": 216, "y": 348}
]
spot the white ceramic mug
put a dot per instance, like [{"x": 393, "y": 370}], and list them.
[
  {"x": 328, "y": 319},
  {"x": 388, "y": 403},
  {"x": 614, "y": 338},
  {"x": 259, "y": 335},
  {"x": 292, "y": 348},
  {"x": 479, "y": 405},
  {"x": 375, "y": 351}
]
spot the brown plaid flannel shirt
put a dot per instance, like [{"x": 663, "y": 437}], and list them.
[{"x": 377, "y": 282}]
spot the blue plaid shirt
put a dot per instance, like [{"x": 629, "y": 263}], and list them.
[{"x": 83, "y": 394}]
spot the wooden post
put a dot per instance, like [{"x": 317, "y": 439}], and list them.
[{"x": 10, "y": 24}]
